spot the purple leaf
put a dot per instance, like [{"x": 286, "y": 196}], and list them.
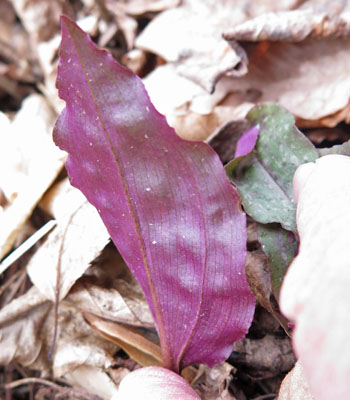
[
  {"x": 166, "y": 203},
  {"x": 247, "y": 141}
]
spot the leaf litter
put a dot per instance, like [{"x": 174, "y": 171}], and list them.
[{"x": 31, "y": 54}]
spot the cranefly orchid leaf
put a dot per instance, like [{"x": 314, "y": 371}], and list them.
[
  {"x": 166, "y": 203},
  {"x": 264, "y": 176},
  {"x": 280, "y": 247},
  {"x": 266, "y": 158}
]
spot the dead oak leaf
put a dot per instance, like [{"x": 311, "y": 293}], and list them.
[
  {"x": 190, "y": 36},
  {"x": 77, "y": 239},
  {"x": 26, "y": 329},
  {"x": 190, "y": 110},
  {"x": 311, "y": 79},
  {"x": 301, "y": 62}
]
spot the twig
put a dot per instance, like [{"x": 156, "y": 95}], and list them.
[
  {"x": 26, "y": 245},
  {"x": 40, "y": 381},
  {"x": 269, "y": 396}
]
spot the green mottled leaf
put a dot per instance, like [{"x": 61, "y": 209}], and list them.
[
  {"x": 280, "y": 246},
  {"x": 264, "y": 177}
]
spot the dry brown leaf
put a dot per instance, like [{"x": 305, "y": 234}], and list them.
[
  {"x": 311, "y": 79},
  {"x": 213, "y": 383},
  {"x": 271, "y": 353},
  {"x": 144, "y": 351},
  {"x": 259, "y": 279},
  {"x": 68, "y": 250},
  {"x": 135, "y": 60},
  {"x": 96, "y": 381},
  {"x": 29, "y": 163},
  {"x": 16, "y": 51},
  {"x": 189, "y": 38},
  {"x": 30, "y": 322},
  {"x": 329, "y": 121},
  {"x": 39, "y": 17},
  {"x": 192, "y": 111},
  {"x": 190, "y": 35},
  {"x": 125, "y": 12},
  {"x": 293, "y": 26},
  {"x": 294, "y": 385},
  {"x": 26, "y": 331},
  {"x": 77, "y": 240},
  {"x": 195, "y": 126},
  {"x": 318, "y": 135},
  {"x": 129, "y": 307},
  {"x": 126, "y": 24},
  {"x": 109, "y": 290}
]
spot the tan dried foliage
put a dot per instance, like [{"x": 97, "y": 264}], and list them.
[
  {"x": 108, "y": 292},
  {"x": 78, "y": 238},
  {"x": 40, "y": 18},
  {"x": 213, "y": 383},
  {"x": 310, "y": 77},
  {"x": 29, "y": 163},
  {"x": 259, "y": 279},
  {"x": 26, "y": 328},
  {"x": 295, "y": 53}
]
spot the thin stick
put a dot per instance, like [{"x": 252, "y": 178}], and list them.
[
  {"x": 26, "y": 381},
  {"x": 26, "y": 245}
]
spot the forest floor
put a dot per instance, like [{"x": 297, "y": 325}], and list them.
[{"x": 205, "y": 64}]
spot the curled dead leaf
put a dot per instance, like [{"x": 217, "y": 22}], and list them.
[
  {"x": 26, "y": 330},
  {"x": 293, "y": 26},
  {"x": 144, "y": 351}
]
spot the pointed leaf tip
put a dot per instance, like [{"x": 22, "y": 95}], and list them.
[
  {"x": 166, "y": 203},
  {"x": 247, "y": 141}
]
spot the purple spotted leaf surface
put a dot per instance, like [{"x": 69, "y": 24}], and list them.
[{"x": 166, "y": 203}]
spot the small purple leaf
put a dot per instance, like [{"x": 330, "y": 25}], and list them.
[
  {"x": 247, "y": 141},
  {"x": 166, "y": 203}
]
